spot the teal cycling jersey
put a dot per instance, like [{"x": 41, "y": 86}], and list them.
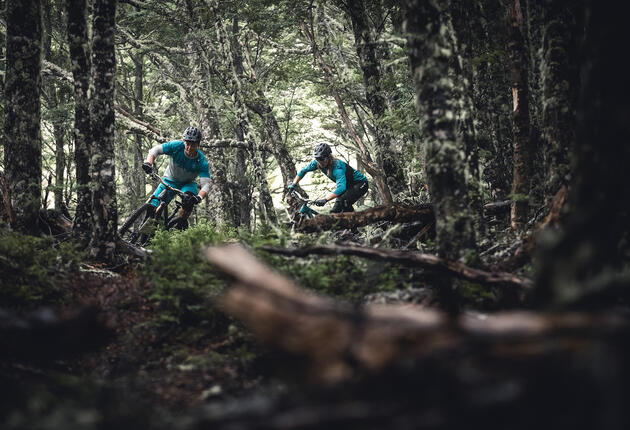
[
  {"x": 183, "y": 169},
  {"x": 341, "y": 173}
]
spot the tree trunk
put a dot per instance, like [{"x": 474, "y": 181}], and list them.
[
  {"x": 105, "y": 212},
  {"x": 559, "y": 81},
  {"x": 379, "y": 177},
  {"x": 491, "y": 101},
  {"x": 592, "y": 250},
  {"x": 241, "y": 112},
  {"x": 137, "y": 175},
  {"x": 365, "y": 46},
  {"x": 437, "y": 98},
  {"x": 520, "y": 115},
  {"x": 23, "y": 144},
  {"x": 81, "y": 65}
]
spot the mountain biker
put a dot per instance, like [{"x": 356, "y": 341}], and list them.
[
  {"x": 351, "y": 184},
  {"x": 187, "y": 162}
]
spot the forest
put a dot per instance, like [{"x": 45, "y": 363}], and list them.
[{"x": 305, "y": 214}]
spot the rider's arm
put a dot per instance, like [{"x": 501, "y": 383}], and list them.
[
  {"x": 308, "y": 168},
  {"x": 204, "y": 180},
  {"x": 153, "y": 153},
  {"x": 339, "y": 174}
]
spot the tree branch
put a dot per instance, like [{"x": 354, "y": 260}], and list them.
[{"x": 412, "y": 259}]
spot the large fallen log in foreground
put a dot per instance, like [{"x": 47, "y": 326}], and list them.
[
  {"x": 338, "y": 340},
  {"x": 411, "y": 259},
  {"x": 395, "y": 213}
]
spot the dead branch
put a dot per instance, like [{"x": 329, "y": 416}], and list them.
[
  {"x": 412, "y": 259},
  {"x": 394, "y": 213}
]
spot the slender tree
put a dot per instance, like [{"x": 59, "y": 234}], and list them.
[
  {"x": 241, "y": 111},
  {"x": 520, "y": 114},
  {"x": 79, "y": 46},
  {"x": 559, "y": 83},
  {"x": 105, "y": 213},
  {"x": 365, "y": 46},
  {"x": 23, "y": 144}
]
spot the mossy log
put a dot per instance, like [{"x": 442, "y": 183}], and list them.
[
  {"x": 338, "y": 340},
  {"x": 396, "y": 213}
]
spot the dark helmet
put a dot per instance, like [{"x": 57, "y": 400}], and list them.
[
  {"x": 322, "y": 150},
  {"x": 192, "y": 134}
]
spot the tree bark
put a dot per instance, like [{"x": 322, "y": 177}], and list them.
[
  {"x": 227, "y": 53},
  {"x": 23, "y": 144},
  {"x": 559, "y": 87},
  {"x": 79, "y": 46},
  {"x": 378, "y": 175},
  {"x": 365, "y": 46},
  {"x": 138, "y": 176},
  {"x": 394, "y": 213},
  {"x": 104, "y": 209},
  {"x": 437, "y": 98},
  {"x": 592, "y": 247},
  {"x": 520, "y": 116}
]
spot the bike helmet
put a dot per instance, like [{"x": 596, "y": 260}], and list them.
[
  {"x": 322, "y": 150},
  {"x": 192, "y": 134}
]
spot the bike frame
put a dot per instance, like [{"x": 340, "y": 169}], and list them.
[{"x": 161, "y": 198}]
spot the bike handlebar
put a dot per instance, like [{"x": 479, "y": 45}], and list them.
[
  {"x": 168, "y": 187},
  {"x": 296, "y": 195}
]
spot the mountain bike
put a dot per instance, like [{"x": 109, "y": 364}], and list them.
[
  {"x": 305, "y": 211},
  {"x": 143, "y": 222}
]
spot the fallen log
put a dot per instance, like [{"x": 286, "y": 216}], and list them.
[
  {"x": 338, "y": 340},
  {"x": 396, "y": 213},
  {"x": 412, "y": 259}
]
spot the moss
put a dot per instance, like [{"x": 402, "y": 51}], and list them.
[{"x": 475, "y": 294}]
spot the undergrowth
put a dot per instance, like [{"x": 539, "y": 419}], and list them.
[
  {"x": 183, "y": 283},
  {"x": 33, "y": 270}
]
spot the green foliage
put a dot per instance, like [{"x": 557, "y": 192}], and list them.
[
  {"x": 344, "y": 277},
  {"x": 183, "y": 283},
  {"x": 34, "y": 269}
]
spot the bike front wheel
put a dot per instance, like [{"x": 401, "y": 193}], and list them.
[{"x": 136, "y": 229}]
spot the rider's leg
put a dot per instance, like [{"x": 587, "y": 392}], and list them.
[
  {"x": 345, "y": 201},
  {"x": 184, "y": 212}
]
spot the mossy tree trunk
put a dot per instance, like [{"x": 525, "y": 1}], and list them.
[
  {"x": 242, "y": 188},
  {"x": 79, "y": 46},
  {"x": 137, "y": 175},
  {"x": 520, "y": 115},
  {"x": 462, "y": 16},
  {"x": 591, "y": 252},
  {"x": 219, "y": 202},
  {"x": 22, "y": 143},
  {"x": 365, "y": 45},
  {"x": 437, "y": 99},
  {"x": 104, "y": 209},
  {"x": 559, "y": 87},
  {"x": 492, "y": 102},
  {"x": 241, "y": 111}
]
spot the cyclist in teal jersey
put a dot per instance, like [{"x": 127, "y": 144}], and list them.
[
  {"x": 351, "y": 184},
  {"x": 187, "y": 162}
]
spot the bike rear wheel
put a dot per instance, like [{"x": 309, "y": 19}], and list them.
[{"x": 132, "y": 229}]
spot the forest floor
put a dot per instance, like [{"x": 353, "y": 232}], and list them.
[{"x": 171, "y": 368}]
